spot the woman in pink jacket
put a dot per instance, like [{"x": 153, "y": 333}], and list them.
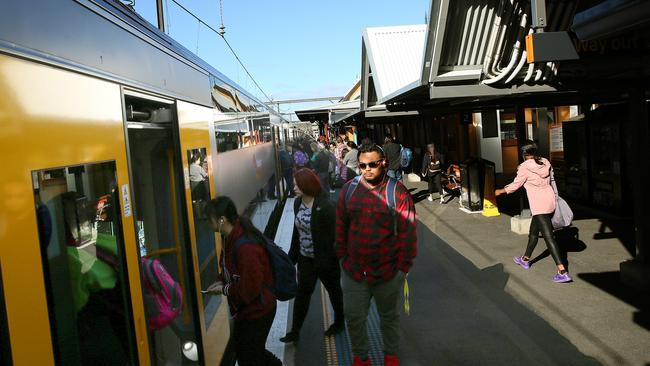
[{"x": 536, "y": 175}]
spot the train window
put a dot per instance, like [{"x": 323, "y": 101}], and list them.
[
  {"x": 227, "y": 141},
  {"x": 205, "y": 243},
  {"x": 77, "y": 210},
  {"x": 224, "y": 96}
]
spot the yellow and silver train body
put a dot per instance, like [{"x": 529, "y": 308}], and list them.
[{"x": 113, "y": 137}]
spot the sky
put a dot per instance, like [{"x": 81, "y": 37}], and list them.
[{"x": 294, "y": 49}]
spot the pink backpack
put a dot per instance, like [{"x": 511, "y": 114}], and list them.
[{"x": 163, "y": 296}]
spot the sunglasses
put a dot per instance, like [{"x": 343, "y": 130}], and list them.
[{"x": 371, "y": 165}]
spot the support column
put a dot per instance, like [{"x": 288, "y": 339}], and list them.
[
  {"x": 543, "y": 142},
  {"x": 520, "y": 128},
  {"x": 636, "y": 272}
]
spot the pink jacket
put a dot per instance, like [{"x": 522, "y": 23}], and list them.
[{"x": 539, "y": 183}]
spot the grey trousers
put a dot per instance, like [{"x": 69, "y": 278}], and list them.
[{"x": 356, "y": 303}]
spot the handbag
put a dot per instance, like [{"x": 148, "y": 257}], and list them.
[{"x": 563, "y": 216}]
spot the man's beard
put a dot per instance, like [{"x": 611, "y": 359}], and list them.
[{"x": 376, "y": 180}]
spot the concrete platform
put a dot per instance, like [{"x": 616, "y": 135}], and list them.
[{"x": 472, "y": 305}]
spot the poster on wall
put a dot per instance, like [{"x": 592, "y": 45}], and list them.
[{"x": 557, "y": 143}]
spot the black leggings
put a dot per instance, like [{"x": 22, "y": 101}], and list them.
[
  {"x": 542, "y": 223},
  {"x": 249, "y": 339},
  {"x": 308, "y": 273},
  {"x": 434, "y": 180}
]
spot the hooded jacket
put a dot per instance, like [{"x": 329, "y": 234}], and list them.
[{"x": 539, "y": 184}]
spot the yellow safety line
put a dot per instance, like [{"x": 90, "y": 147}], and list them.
[{"x": 330, "y": 342}]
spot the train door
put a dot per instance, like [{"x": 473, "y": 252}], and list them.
[
  {"x": 161, "y": 222},
  {"x": 197, "y": 141},
  {"x": 65, "y": 259}
]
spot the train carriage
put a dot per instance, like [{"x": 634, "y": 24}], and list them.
[{"x": 113, "y": 137}]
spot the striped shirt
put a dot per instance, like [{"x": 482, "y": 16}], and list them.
[{"x": 365, "y": 241}]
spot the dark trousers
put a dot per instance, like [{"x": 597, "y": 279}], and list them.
[
  {"x": 324, "y": 181},
  {"x": 542, "y": 223},
  {"x": 307, "y": 276},
  {"x": 249, "y": 339},
  {"x": 434, "y": 181},
  {"x": 288, "y": 178}
]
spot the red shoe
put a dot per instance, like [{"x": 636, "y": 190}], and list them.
[
  {"x": 391, "y": 360},
  {"x": 358, "y": 362}
]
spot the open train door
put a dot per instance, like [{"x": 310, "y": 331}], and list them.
[
  {"x": 197, "y": 146},
  {"x": 163, "y": 225},
  {"x": 70, "y": 276}
]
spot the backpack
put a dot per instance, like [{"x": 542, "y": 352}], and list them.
[
  {"x": 406, "y": 156},
  {"x": 300, "y": 158},
  {"x": 285, "y": 286},
  {"x": 163, "y": 296},
  {"x": 391, "y": 187}
]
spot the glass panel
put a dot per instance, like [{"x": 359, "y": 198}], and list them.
[
  {"x": 80, "y": 236},
  {"x": 162, "y": 235},
  {"x": 205, "y": 243},
  {"x": 507, "y": 125}
]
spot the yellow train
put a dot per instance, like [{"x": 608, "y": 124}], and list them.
[{"x": 112, "y": 137}]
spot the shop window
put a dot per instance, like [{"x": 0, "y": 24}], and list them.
[{"x": 77, "y": 210}]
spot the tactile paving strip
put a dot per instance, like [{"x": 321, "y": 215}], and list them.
[{"x": 339, "y": 349}]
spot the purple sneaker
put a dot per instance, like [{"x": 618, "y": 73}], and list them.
[
  {"x": 562, "y": 277},
  {"x": 521, "y": 262}
]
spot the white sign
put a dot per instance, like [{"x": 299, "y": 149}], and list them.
[
  {"x": 557, "y": 139},
  {"x": 126, "y": 199},
  {"x": 186, "y": 173}
]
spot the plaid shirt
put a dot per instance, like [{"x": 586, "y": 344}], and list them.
[{"x": 364, "y": 232}]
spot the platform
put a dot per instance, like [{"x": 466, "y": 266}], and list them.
[{"x": 471, "y": 305}]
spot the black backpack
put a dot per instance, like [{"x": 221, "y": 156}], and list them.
[{"x": 285, "y": 286}]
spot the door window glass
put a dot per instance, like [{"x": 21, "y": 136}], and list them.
[
  {"x": 205, "y": 243},
  {"x": 80, "y": 237}
]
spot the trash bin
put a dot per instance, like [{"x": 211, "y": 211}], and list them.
[{"x": 474, "y": 174}]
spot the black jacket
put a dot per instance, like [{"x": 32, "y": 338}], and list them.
[
  {"x": 323, "y": 223},
  {"x": 426, "y": 162}
]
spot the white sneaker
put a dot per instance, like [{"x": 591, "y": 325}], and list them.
[{"x": 430, "y": 198}]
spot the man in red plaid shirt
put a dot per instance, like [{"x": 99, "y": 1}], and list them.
[{"x": 376, "y": 248}]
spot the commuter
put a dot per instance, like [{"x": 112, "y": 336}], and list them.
[
  {"x": 366, "y": 141},
  {"x": 350, "y": 159},
  {"x": 431, "y": 170},
  {"x": 198, "y": 178},
  {"x": 376, "y": 244},
  {"x": 392, "y": 151},
  {"x": 340, "y": 146},
  {"x": 300, "y": 157},
  {"x": 286, "y": 163},
  {"x": 312, "y": 248},
  {"x": 246, "y": 280},
  {"x": 536, "y": 175},
  {"x": 320, "y": 163}
]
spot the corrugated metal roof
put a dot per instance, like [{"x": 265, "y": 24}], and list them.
[
  {"x": 395, "y": 56},
  {"x": 485, "y": 40},
  {"x": 351, "y": 104}
]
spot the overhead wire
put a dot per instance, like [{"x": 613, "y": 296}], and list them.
[{"x": 227, "y": 44}]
